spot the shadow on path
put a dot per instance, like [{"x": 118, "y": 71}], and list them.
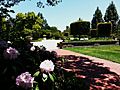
[{"x": 95, "y": 75}]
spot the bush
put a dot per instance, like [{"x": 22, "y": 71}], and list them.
[
  {"x": 104, "y": 29},
  {"x": 35, "y": 68},
  {"x": 80, "y": 28},
  {"x": 20, "y": 57},
  {"x": 93, "y": 33},
  {"x": 87, "y": 43},
  {"x": 32, "y": 67}
]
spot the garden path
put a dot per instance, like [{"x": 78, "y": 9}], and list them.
[
  {"x": 114, "y": 67},
  {"x": 48, "y": 44}
]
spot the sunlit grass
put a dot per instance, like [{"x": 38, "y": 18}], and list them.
[{"x": 111, "y": 52}]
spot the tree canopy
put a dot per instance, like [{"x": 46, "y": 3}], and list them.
[
  {"x": 97, "y": 18},
  {"x": 5, "y": 6},
  {"x": 111, "y": 13}
]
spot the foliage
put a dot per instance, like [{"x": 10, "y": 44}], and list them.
[
  {"x": 50, "y": 33},
  {"x": 28, "y": 24},
  {"x": 27, "y": 60},
  {"x": 29, "y": 71},
  {"x": 104, "y": 29},
  {"x": 22, "y": 26},
  {"x": 111, "y": 15},
  {"x": 80, "y": 28},
  {"x": 97, "y": 18},
  {"x": 44, "y": 67},
  {"x": 109, "y": 52},
  {"x": 66, "y": 32},
  {"x": 41, "y": 4},
  {"x": 93, "y": 33},
  {"x": 118, "y": 28},
  {"x": 53, "y": 32},
  {"x": 91, "y": 42},
  {"x": 5, "y": 6}
]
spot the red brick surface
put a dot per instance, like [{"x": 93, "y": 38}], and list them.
[{"x": 114, "y": 67}]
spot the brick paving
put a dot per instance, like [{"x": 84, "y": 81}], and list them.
[{"x": 114, "y": 67}]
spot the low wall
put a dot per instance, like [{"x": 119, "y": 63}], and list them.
[{"x": 87, "y": 43}]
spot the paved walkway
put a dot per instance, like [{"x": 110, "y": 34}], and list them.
[
  {"x": 48, "y": 44},
  {"x": 115, "y": 67}
]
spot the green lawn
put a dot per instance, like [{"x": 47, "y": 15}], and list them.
[{"x": 106, "y": 52}]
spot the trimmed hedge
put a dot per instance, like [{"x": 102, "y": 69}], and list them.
[
  {"x": 80, "y": 28},
  {"x": 93, "y": 32},
  {"x": 104, "y": 29},
  {"x": 86, "y": 43}
]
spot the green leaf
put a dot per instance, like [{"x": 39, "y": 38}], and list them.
[
  {"x": 36, "y": 74},
  {"x": 54, "y": 76},
  {"x": 51, "y": 77},
  {"x": 45, "y": 77},
  {"x": 36, "y": 88}
]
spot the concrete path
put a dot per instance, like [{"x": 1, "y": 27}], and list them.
[
  {"x": 115, "y": 67},
  {"x": 48, "y": 44}
]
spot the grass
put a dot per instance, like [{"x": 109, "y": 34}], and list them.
[{"x": 110, "y": 52}]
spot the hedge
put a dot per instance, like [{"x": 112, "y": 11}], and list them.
[
  {"x": 104, "y": 29},
  {"x": 93, "y": 33},
  {"x": 80, "y": 28},
  {"x": 87, "y": 43}
]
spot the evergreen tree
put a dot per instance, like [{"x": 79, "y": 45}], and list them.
[
  {"x": 111, "y": 15},
  {"x": 118, "y": 28},
  {"x": 97, "y": 18},
  {"x": 119, "y": 25}
]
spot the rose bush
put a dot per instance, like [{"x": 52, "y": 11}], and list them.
[
  {"x": 25, "y": 67},
  {"x": 21, "y": 56}
]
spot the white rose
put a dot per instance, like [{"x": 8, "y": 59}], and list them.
[{"x": 47, "y": 66}]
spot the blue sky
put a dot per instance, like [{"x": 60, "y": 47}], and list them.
[{"x": 67, "y": 11}]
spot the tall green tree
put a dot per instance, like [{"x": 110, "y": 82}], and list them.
[
  {"x": 97, "y": 18},
  {"x": 111, "y": 15},
  {"x": 66, "y": 32},
  {"x": 25, "y": 24},
  {"x": 45, "y": 24},
  {"x": 5, "y": 6},
  {"x": 118, "y": 25},
  {"x": 118, "y": 28}
]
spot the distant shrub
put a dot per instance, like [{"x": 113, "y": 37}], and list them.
[
  {"x": 104, "y": 29},
  {"x": 87, "y": 43},
  {"x": 80, "y": 28},
  {"x": 66, "y": 34},
  {"x": 93, "y": 33}
]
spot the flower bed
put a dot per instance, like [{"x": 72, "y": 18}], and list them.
[
  {"x": 27, "y": 67},
  {"x": 90, "y": 75}
]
